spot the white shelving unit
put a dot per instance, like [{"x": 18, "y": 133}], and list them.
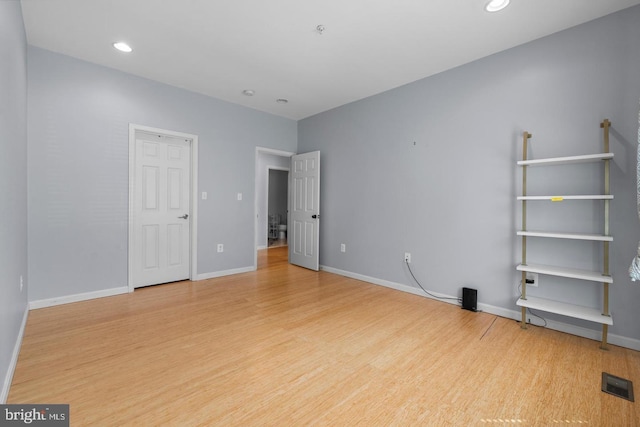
[
  {"x": 571, "y": 310},
  {"x": 572, "y": 273},
  {"x": 592, "y": 314},
  {"x": 572, "y": 236},
  {"x": 586, "y": 158},
  {"x": 561, "y": 198}
]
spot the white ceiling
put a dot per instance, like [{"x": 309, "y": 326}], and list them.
[{"x": 221, "y": 47}]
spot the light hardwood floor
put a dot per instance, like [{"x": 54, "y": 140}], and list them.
[{"x": 286, "y": 346}]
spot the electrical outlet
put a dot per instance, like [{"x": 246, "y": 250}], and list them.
[
  {"x": 407, "y": 257},
  {"x": 532, "y": 279},
  {"x": 220, "y": 247},
  {"x": 343, "y": 247}
]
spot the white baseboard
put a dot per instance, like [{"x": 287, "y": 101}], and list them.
[
  {"x": 388, "y": 284},
  {"x": 14, "y": 359},
  {"x": 262, "y": 247},
  {"x": 618, "y": 340},
  {"x": 33, "y": 305},
  {"x": 215, "y": 274}
]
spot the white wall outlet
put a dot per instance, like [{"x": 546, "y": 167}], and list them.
[
  {"x": 239, "y": 196},
  {"x": 204, "y": 195},
  {"x": 532, "y": 279},
  {"x": 220, "y": 247},
  {"x": 21, "y": 283},
  {"x": 407, "y": 257},
  {"x": 343, "y": 247}
]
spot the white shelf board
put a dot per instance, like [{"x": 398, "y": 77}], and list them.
[
  {"x": 572, "y": 273},
  {"x": 567, "y": 160},
  {"x": 571, "y": 310},
  {"x": 572, "y": 197},
  {"x": 573, "y": 236}
]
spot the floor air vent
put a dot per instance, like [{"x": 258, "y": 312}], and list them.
[{"x": 617, "y": 386}]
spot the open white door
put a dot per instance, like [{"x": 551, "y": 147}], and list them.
[{"x": 305, "y": 210}]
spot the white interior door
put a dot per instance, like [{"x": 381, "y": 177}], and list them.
[
  {"x": 161, "y": 204},
  {"x": 305, "y": 210}
]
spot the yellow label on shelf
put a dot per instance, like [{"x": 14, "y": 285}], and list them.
[{"x": 557, "y": 199}]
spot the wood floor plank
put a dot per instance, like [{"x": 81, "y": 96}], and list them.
[{"x": 288, "y": 346}]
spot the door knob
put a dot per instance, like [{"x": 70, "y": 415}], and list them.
[
  {"x": 185, "y": 216},
  {"x": 315, "y": 216}
]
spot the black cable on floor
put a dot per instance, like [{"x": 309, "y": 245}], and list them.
[
  {"x": 539, "y": 317},
  {"x": 530, "y": 311}
]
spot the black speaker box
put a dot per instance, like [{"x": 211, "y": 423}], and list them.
[{"x": 470, "y": 299}]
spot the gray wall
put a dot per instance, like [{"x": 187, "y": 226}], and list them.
[
  {"x": 13, "y": 182},
  {"x": 430, "y": 168},
  {"x": 78, "y": 171}
]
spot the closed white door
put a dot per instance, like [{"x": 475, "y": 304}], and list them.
[
  {"x": 304, "y": 224},
  {"x": 161, "y": 240}
]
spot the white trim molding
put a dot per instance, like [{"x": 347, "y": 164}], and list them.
[
  {"x": 592, "y": 334},
  {"x": 50, "y": 302},
  {"x": 388, "y": 284},
  {"x": 4, "y": 394},
  {"x": 223, "y": 273},
  {"x": 274, "y": 151}
]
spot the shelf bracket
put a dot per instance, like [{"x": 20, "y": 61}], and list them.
[
  {"x": 607, "y": 191},
  {"x": 525, "y": 139}
]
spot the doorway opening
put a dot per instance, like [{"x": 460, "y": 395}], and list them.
[
  {"x": 277, "y": 207},
  {"x": 303, "y": 213},
  {"x": 271, "y": 168}
]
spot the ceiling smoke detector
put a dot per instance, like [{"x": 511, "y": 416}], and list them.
[
  {"x": 248, "y": 92},
  {"x": 320, "y": 29}
]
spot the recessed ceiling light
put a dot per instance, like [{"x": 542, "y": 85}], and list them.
[
  {"x": 282, "y": 101},
  {"x": 496, "y": 5},
  {"x": 248, "y": 92},
  {"x": 122, "y": 47}
]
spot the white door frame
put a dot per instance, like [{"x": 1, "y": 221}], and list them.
[
  {"x": 193, "y": 255},
  {"x": 259, "y": 151}
]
